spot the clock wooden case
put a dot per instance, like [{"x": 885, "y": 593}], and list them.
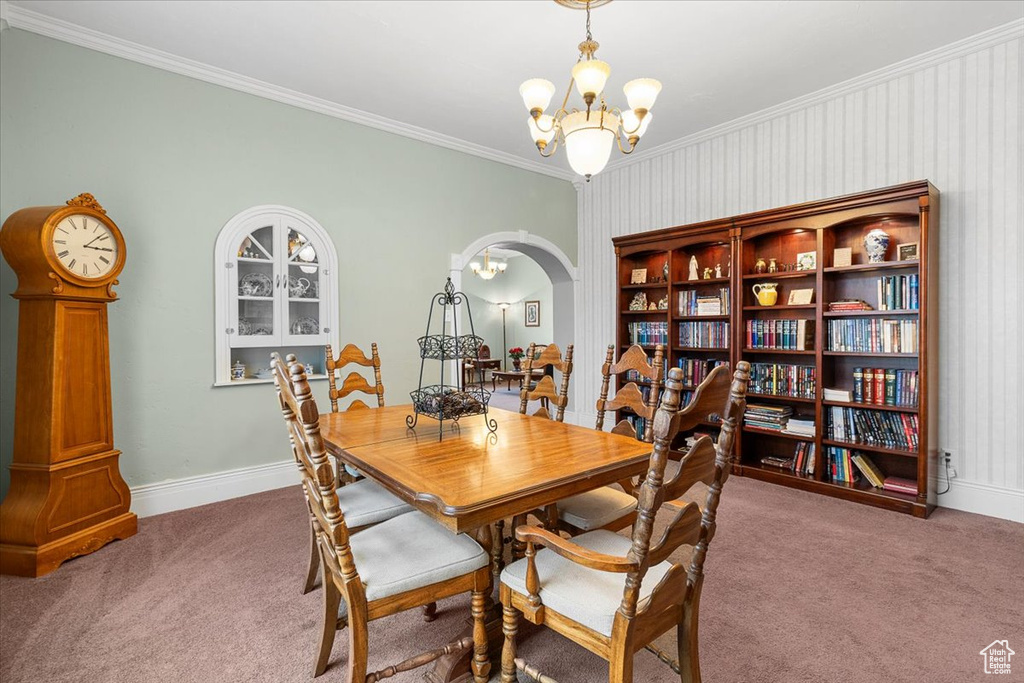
[{"x": 67, "y": 497}]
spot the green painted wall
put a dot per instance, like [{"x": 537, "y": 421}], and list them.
[{"x": 172, "y": 159}]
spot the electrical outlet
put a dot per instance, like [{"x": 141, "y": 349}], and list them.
[{"x": 952, "y": 473}]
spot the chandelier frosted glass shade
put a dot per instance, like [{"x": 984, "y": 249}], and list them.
[
  {"x": 641, "y": 93},
  {"x": 633, "y": 125},
  {"x": 590, "y": 76},
  {"x": 542, "y": 129},
  {"x": 589, "y": 140},
  {"x": 537, "y": 93}
]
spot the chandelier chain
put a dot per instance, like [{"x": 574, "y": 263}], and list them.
[{"x": 589, "y": 37}]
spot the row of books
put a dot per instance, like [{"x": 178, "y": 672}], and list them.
[
  {"x": 849, "y": 305},
  {"x": 845, "y": 465},
  {"x": 802, "y": 462},
  {"x": 695, "y": 370},
  {"x": 648, "y": 333},
  {"x": 706, "y": 335},
  {"x": 872, "y": 336},
  {"x": 898, "y": 293},
  {"x": 764, "y": 416},
  {"x": 639, "y": 425},
  {"x": 693, "y": 303},
  {"x": 885, "y": 386},
  {"x": 898, "y": 431},
  {"x": 786, "y": 335},
  {"x": 779, "y": 379}
]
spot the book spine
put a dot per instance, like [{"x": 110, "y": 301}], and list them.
[{"x": 858, "y": 385}]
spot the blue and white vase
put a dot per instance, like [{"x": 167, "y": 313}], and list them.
[{"x": 876, "y": 243}]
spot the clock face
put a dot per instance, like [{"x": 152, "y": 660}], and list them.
[{"x": 85, "y": 246}]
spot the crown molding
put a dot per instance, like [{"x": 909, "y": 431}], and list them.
[
  {"x": 34, "y": 22},
  {"x": 980, "y": 41}
]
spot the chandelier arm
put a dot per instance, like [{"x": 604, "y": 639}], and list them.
[
  {"x": 553, "y": 146},
  {"x": 618, "y": 140}
]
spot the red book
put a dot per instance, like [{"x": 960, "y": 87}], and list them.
[
  {"x": 900, "y": 484},
  {"x": 869, "y": 386},
  {"x": 879, "y": 386}
]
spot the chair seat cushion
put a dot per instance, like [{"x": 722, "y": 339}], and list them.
[
  {"x": 587, "y": 596},
  {"x": 411, "y": 551},
  {"x": 593, "y": 509},
  {"x": 366, "y": 502}
]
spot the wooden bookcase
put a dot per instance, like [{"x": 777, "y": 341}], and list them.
[{"x": 908, "y": 214}]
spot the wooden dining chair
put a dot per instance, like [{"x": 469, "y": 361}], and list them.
[
  {"x": 404, "y": 562},
  {"x": 608, "y": 507},
  {"x": 615, "y": 594},
  {"x": 538, "y": 358},
  {"x": 364, "y": 502}
]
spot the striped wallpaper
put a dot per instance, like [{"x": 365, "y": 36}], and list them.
[{"x": 953, "y": 117}]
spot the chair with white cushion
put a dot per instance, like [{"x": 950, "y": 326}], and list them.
[
  {"x": 608, "y": 507},
  {"x": 364, "y": 502},
  {"x": 401, "y": 563},
  {"x": 614, "y": 594}
]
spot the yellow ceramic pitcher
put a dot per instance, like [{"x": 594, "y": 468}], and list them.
[{"x": 765, "y": 293}]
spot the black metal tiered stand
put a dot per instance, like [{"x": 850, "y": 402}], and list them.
[{"x": 443, "y": 401}]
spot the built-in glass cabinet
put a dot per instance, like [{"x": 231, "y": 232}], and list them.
[{"x": 277, "y": 290}]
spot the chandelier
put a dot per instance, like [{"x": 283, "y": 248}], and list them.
[
  {"x": 588, "y": 135},
  {"x": 489, "y": 270}
]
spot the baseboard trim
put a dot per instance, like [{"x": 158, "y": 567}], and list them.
[
  {"x": 983, "y": 499},
  {"x": 179, "y": 494}
]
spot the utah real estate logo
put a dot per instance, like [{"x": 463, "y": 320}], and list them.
[{"x": 997, "y": 657}]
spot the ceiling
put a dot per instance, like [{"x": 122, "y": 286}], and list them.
[{"x": 454, "y": 68}]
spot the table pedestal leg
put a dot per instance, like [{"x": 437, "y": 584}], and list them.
[{"x": 456, "y": 668}]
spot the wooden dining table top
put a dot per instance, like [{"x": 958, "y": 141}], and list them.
[{"x": 473, "y": 477}]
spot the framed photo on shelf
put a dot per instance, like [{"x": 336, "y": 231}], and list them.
[
  {"x": 807, "y": 260},
  {"x": 533, "y": 313},
  {"x": 906, "y": 252},
  {"x": 801, "y": 297},
  {"x": 639, "y": 276},
  {"x": 842, "y": 257}
]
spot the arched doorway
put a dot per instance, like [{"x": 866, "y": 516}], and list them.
[{"x": 550, "y": 258}]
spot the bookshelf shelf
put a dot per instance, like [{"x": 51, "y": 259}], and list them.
[
  {"x": 847, "y": 314},
  {"x": 872, "y": 267},
  {"x": 776, "y": 397},
  {"x": 771, "y": 432},
  {"x": 865, "y": 354},
  {"x": 789, "y": 275},
  {"x": 695, "y": 283},
  {"x": 782, "y": 307},
  {"x": 788, "y": 352},
  {"x": 907, "y": 214},
  {"x": 871, "y": 406},
  {"x": 872, "y": 449},
  {"x": 659, "y": 312}
]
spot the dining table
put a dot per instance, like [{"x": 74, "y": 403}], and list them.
[{"x": 470, "y": 479}]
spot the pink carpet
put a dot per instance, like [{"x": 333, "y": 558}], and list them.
[{"x": 799, "y": 588}]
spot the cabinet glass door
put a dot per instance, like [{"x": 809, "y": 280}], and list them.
[
  {"x": 255, "y": 304},
  {"x": 304, "y": 291}
]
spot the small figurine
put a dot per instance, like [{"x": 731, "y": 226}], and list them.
[
  {"x": 652, "y": 307},
  {"x": 759, "y": 266},
  {"x": 773, "y": 267},
  {"x": 663, "y": 303},
  {"x": 693, "y": 268},
  {"x": 718, "y": 270},
  {"x": 639, "y": 302},
  {"x": 664, "y": 271},
  {"x": 707, "y": 273}
]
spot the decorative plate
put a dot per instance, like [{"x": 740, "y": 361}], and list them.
[
  {"x": 256, "y": 284},
  {"x": 305, "y": 326}
]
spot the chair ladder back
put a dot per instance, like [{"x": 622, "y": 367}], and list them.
[
  {"x": 303, "y": 422},
  {"x": 545, "y": 389},
  {"x": 355, "y": 381},
  {"x": 630, "y": 396},
  {"x": 707, "y": 462}
]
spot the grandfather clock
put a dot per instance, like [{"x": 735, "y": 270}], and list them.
[{"x": 67, "y": 497}]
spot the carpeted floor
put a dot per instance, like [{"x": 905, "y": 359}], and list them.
[{"x": 799, "y": 588}]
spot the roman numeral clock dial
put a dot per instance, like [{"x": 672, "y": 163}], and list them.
[{"x": 85, "y": 246}]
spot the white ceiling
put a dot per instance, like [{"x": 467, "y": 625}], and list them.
[{"x": 455, "y": 67}]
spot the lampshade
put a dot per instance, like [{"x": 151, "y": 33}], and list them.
[
  {"x": 641, "y": 93},
  {"x": 485, "y": 274},
  {"x": 588, "y": 142},
  {"x": 630, "y": 122},
  {"x": 537, "y": 93},
  {"x": 590, "y": 76},
  {"x": 545, "y": 122}
]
